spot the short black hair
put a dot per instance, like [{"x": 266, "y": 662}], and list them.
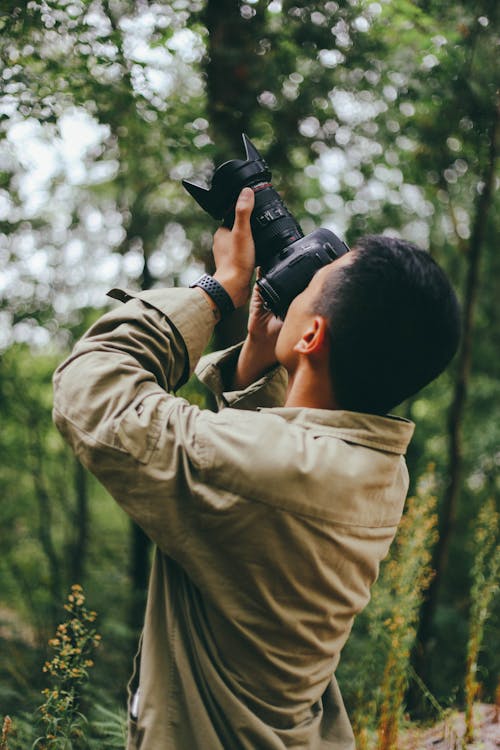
[{"x": 393, "y": 321}]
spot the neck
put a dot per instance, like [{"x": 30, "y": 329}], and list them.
[{"x": 310, "y": 390}]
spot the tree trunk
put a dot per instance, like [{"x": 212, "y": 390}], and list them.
[
  {"x": 80, "y": 545},
  {"x": 448, "y": 511},
  {"x": 231, "y": 66},
  {"x": 45, "y": 524}
]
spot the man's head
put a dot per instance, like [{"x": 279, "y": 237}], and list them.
[{"x": 391, "y": 321}]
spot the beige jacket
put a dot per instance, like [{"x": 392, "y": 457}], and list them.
[{"x": 269, "y": 528}]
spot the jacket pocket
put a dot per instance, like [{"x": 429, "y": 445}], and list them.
[{"x": 140, "y": 426}]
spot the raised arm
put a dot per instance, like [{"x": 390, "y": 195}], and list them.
[
  {"x": 112, "y": 400},
  {"x": 234, "y": 255}
]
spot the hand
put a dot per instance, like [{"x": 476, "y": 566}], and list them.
[
  {"x": 263, "y": 325},
  {"x": 234, "y": 251},
  {"x": 257, "y": 354}
]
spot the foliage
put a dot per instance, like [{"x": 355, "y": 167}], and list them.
[
  {"x": 7, "y": 726},
  {"x": 374, "y": 117},
  {"x": 110, "y": 728},
  {"x": 43, "y": 527},
  {"x": 65, "y": 726},
  {"x": 407, "y": 575},
  {"x": 74, "y": 646},
  {"x": 374, "y": 671},
  {"x": 485, "y": 576}
]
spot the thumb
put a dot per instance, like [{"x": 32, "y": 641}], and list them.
[{"x": 243, "y": 210}]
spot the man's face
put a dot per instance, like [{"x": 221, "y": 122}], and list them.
[{"x": 301, "y": 312}]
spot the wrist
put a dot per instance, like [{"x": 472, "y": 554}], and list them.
[
  {"x": 238, "y": 292},
  {"x": 252, "y": 364},
  {"x": 208, "y": 299},
  {"x": 261, "y": 350},
  {"x": 258, "y": 337},
  {"x": 219, "y": 299}
]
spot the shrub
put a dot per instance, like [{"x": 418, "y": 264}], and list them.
[
  {"x": 485, "y": 572},
  {"x": 74, "y": 644}
]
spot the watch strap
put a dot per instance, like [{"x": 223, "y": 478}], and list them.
[{"x": 217, "y": 293}]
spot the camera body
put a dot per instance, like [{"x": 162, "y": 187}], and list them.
[{"x": 288, "y": 259}]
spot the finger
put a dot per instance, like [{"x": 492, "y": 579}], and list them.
[
  {"x": 243, "y": 210},
  {"x": 221, "y": 232},
  {"x": 256, "y": 298}
]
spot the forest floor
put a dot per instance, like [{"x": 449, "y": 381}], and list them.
[{"x": 449, "y": 733}]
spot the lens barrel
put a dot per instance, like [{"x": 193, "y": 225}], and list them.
[
  {"x": 288, "y": 259},
  {"x": 273, "y": 226}
]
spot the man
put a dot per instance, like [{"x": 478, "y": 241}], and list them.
[{"x": 269, "y": 525}]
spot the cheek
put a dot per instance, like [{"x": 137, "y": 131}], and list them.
[
  {"x": 284, "y": 346},
  {"x": 280, "y": 347},
  {"x": 279, "y": 341}
]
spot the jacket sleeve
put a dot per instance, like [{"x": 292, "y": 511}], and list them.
[
  {"x": 112, "y": 404},
  {"x": 216, "y": 372}
]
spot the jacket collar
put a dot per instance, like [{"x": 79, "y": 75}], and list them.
[{"x": 388, "y": 433}]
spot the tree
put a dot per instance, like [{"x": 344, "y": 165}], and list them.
[
  {"x": 454, "y": 130},
  {"x": 373, "y": 117}
]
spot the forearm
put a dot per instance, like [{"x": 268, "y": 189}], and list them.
[
  {"x": 113, "y": 407},
  {"x": 256, "y": 358},
  {"x": 151, "y": 342}
]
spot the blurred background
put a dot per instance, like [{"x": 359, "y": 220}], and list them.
[{"x": 375, "y": 117}]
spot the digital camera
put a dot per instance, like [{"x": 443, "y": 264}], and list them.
[{"x": 288, "y": 259}]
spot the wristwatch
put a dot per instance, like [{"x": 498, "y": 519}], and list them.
[{"x": 217, "y": 292}]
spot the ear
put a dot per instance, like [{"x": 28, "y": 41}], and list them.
[{"x": 314, "y": 340}]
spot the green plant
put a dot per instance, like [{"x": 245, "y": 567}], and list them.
[
  {"x": 111, "y": 728},
  {"x": 405, "y": 577},
  {"x": 485, "y": 573},
  {"x": 375, "y": 668},
  {"x": 7, "y": 725},
  {"x": 17, "y": 733},
  {"x": 74, "y": 644},
  {"x": 361, "y": 720}
]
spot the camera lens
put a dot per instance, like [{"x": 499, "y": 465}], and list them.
[{"x": 287, "y": 258}]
